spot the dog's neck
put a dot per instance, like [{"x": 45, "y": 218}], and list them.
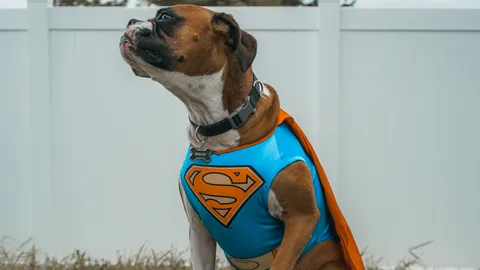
[{"x": 211, "y": 98}]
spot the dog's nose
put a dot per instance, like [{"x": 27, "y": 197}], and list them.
[
  {"x": 144, "y": 32},
  {"x": 132, "y": 21}
]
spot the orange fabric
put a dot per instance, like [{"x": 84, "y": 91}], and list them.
[{"x": 350, "y": 250}]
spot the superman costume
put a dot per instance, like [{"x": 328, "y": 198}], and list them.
[{"x": 230, "y": 194}]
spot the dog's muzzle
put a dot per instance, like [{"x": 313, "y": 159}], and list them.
[{"x": 140, "y": 41}]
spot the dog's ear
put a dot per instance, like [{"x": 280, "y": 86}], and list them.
[
  {"x": 241, "y": 44},
  {"x": 140, "y": 73}
]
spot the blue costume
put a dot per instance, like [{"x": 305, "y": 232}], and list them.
[{"x": 230, "y": 194}]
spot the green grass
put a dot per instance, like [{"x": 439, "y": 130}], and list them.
[{"x": 28, "y": 257}]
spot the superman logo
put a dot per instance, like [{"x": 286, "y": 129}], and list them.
[{"x": 223, "y": 190}]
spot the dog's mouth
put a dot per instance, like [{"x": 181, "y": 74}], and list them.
[
  {"x": 154, "y": 52},
  {"x": 150, "y": 56}
]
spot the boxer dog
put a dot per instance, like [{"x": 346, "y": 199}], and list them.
[{"x": 251, "y": 181}]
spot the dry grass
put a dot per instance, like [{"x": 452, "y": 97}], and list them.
[
  {"x": 372, "y": 263},
  {"x": 23, "y": 258}
]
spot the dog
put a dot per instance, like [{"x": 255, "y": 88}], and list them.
[{"x": 251, "y": 181}]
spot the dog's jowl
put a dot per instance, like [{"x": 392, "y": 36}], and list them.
[{"x": 250, "y": 180}]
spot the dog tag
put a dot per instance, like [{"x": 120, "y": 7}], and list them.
[{"x": 196, "y": 153}]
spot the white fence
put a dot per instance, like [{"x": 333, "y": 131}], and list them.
[{"x": 390, "y": 98}]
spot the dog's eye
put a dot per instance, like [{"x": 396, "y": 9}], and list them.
[{"x": 164, "y": 17}]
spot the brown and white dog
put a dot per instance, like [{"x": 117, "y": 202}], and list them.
[{"x": 204, "y": 59}]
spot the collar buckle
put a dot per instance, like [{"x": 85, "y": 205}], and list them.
[{"x": 241, "y": 114}]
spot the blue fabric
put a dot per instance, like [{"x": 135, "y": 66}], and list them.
[{"x": 253, "y": 232}]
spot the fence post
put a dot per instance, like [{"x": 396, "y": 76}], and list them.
[
  {"x": 40, "y": 104},
  {"x": 329, "y": 87}
]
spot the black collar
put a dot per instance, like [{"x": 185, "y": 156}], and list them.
[{"x": 237, "y": 118}]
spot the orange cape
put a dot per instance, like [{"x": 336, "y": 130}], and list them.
[{"x": 350, "y": 251}]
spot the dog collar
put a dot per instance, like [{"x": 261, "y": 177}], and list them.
[{"x": 237, "y": 118}]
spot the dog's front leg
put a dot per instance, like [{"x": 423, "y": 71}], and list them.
[
  {"x": 292, "y": 199},
  {"x": 202, "y": 245}
]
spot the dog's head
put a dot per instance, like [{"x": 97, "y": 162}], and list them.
[{"x": 188, "y": 39}]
